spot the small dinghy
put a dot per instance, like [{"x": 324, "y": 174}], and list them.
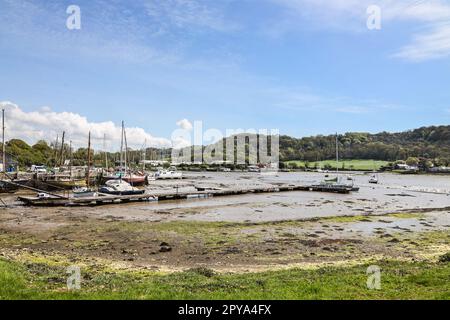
[{"x": 83, "y": 192}]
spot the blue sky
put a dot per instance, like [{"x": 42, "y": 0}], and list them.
[{"x": 301, "y": 66}]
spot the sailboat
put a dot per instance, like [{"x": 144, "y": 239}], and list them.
[
  {"x": 374, "y": 177},
  {"x": 335, "y": 182},
  {"x": 83, "y": 192},
  {"x": 124, "y": 173}
]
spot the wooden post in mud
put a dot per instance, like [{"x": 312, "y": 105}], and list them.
[{"x": 89, "y": 160}]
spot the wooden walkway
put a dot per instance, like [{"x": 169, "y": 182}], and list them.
[{"x": 103, "y": 199}]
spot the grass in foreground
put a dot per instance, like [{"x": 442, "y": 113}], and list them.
[{"x": 399, "y": 280}]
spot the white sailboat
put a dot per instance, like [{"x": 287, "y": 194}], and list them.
[
  {"x": 374, "y": 177},
  {"x": 336, "y": 182}
]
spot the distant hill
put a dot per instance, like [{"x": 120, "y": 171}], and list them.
[{"x": 427, "y": 142}]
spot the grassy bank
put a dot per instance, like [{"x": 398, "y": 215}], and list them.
[
  {"x": 399, "y": 280},
  {"x": 360, "y": 165}
]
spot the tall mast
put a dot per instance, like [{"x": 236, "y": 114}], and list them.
[
  {"x": 56, "y": 149},
  {"x": 126, "y": 149},
  {"x": 89, "y": 160},
  {"x": 121, "y": 148},
  {"x": 61, "y": 158},
  {"x": 3, "y": 141},
  {"x": 106, "y": 153},
  {"x": 70, "y": 155},
  {"x": 337, "y": 154},
  {"x": 144, "y": 155}
]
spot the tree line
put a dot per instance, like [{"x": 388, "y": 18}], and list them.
[
  {"x": 426, "y": 142},
  {"x": 423, "y": 143}
]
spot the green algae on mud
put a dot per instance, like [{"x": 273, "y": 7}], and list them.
[{"x": 399, "y": 280}]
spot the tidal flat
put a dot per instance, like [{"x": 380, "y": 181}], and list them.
[{"x": 231, "y": 247}]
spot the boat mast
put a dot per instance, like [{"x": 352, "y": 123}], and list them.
[
  {"x": 3, "y": 141},
  {"x": 61, "y": 160},
  {"x": 70, "y": 155},
  {"x": 121, "y": 148},
  {"x": 89, "y": 160},
  {"x": 126, "y": 149},
  {"x": 144, "y": 155},
  {"x": 106, "y": 153},
  {"x": 337, "y": 154},
  {"x": 56, "y": 150}
]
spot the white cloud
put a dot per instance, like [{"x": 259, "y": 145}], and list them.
[
  {"x": 431, "y": 45},
  {"x": 350, "y": 15},
  {"x": 46, "y": 124},
  {"x": 185, "y": 124}
]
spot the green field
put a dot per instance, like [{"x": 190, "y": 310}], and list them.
[
  {"x": 399, "y": 280},
  {"x": 363, "y": 165}
]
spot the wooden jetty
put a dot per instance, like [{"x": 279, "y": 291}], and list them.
[{"x": 102, "y": 199}]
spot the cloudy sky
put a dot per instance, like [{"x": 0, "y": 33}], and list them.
[{"x": 301, "y": 66}]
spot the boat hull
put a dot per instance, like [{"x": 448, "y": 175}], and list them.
[
  {"x": 134, "y": 180},
  {"x": 121, "y": 193}
]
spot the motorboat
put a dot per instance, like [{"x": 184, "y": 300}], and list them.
[
  {"x": 373, "y": 179},
  {"x": 168, "y": 174},
  {"x": 254, "y": 169},
  {"x": 119, "y": 187}
]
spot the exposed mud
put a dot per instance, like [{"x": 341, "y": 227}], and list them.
[{"x": 240, "y": 233}]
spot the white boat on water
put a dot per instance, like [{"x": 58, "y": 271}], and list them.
[
  {"x": 119, "y": 187},
  {"x": 168, "y": 174}
]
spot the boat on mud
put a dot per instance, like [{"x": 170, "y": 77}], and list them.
[
  {"x": 120, "y": 187},
  {"x": 171, "y": 173},
  {"x": 6, "y": 187},
  {"x": 84, "y": 192},
  {"x": 135, "y": 179},
  {"x": 373, "y": 179},
  {"x": 55, "y": 182}
]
